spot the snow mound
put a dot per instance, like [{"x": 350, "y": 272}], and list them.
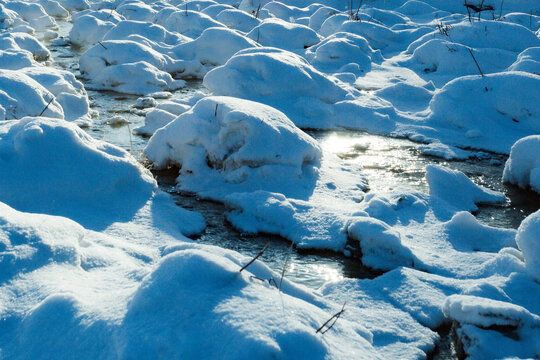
[
  {"x": 466, "y": 233},
  {"x": 136, "y": 10},
  {"x": 303, "y": 93},
  {"x": 155, "y": 36},
  {"x": 381, "y": 245},
  {"x": 130, "y": 67},
  {"x": 97, "y": 178},
  {"x": 66, "y": 90},
  {"x": 238, "y": 19},
  {"x": 528, "y": 61},
  {"x": 19, "y": 40},
  {"x": 164, "y": 113},
  {"x": 284, "y": 35},
  {"x": 189, "y": 23},
  {"x": 21, "y": 96},
  {"x": 341, "y": 49},
  {"x": 224, "y": 139},
  {"x": 213, "y": 48},
  {"x": 483, "y": 34},
  {"x": 457, "y": 189},
  {"x": 494, "y": 117},
  {"x": 88, "y": 30},
  {"x": 33, "y": 13},
  {"x": 523, "y": 166},
  {"x": 239, "y": 316},
  {"x": 529, "y": 243},
  {"x": 444, "y": 57}
]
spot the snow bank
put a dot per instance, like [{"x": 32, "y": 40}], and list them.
[
  {"x": 523, "y": 166},
  {"x": 255, "y": 144},
  {"x": 96, "y": 178},
  {"x": 95, "y": 294},
  {"x": 494, "y": 117},
  {"x": 529, "y": 243},
  {"x": 458, "y": 190}
]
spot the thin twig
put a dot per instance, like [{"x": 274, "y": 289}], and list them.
[
  {"x": 215, "y": 111},
  {"x": 257, "y": 13},
  {"x": 255, "y": 258},
  {"x": 500, "y": 10},
  {"x": 46, "y": 106},
  {"x": 476, "y": 62},
  {"x": 272, "y": 280},
  {"x": 334, "y": 317},
  {"x": 99, "y": 42},
  {"x": 357, "y": 10},
  {"x": 285, "y": 266}
]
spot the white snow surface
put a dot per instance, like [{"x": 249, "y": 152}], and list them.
[
  {"x": 523, "y": 166},
  {"x": 94, "y": 258}
]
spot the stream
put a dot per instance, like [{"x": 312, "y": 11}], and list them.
[{"x": 387, "y": 163}]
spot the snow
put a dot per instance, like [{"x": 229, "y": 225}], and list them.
[
  {"x": 528, "y": 242},
  {"x": 106, "y": 174},
  {"x": 274, "y": 32},
  {"x": 94, "y": 258},
  {"x": 237, "y": 158},
  {"x": 457, "y": 189},
  {"x": 130, "y": 67},
  {"x": 494, "y": 118},
  {"x": 304, "y": 94},
  {"x": 523, "y": 166}
]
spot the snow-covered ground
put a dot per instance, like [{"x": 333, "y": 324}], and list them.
[{"x": 96, "y": 260}]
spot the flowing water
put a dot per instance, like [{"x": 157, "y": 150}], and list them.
[{"x": 387, "y": 163}]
